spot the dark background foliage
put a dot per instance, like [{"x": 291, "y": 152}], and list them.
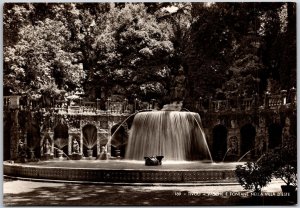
[{"x": 135, "y": 50}]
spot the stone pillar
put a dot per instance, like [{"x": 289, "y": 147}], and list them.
[
  {"x": 260, "y": 141},
  {"x": 283, "y": 97},
  {"x": 81, "y": 144},
  {"x": 286, "y": 130},
  {"x": 70, "y": 144},
  {"x": 98, "y": 143},
  {"x": 51, "y": 134},
  {"x": 15, "y": 136},
  {"x": 233, "y": 141},
  {"x": 110, "y": 125}
]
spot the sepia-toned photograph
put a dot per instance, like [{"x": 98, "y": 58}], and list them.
[{"x": 149, "y": 104}]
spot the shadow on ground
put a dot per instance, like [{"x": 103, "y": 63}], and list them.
[{"x": 88, "y": 195}]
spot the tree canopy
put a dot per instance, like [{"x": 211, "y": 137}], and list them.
[{"x": 135, "y": 49}]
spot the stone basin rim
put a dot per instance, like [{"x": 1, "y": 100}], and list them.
[{"x": 44, "y": 165}]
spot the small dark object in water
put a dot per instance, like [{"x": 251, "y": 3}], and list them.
[{"x": 153, "y": 160}]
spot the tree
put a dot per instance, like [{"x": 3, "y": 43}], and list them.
[
  {"x": 208, "y": 47},
  {"x": 139, "y": 54},
  {"x": 41, "y": 60},
  {"x": 134, "y": 49},
  {"x": 14, "y": 17},
  {"x": 278, "y": 45},
  {"x": 246, "y": 42}
]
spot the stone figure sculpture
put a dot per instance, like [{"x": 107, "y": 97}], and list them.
[
  {"x": 47, "y": 147},
  {"x": 75, "y": 146}
]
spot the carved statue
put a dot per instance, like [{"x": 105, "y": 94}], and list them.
[
  {"x": 47, "y": 147},
  {"x": 22, "y": 149},
  {"x": 233, "y": 145},
  {"x": 103, "y": 154},
  {"x": 75, "y": 146}
]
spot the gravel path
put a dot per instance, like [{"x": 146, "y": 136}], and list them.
[{"x": 30, "y": 193}]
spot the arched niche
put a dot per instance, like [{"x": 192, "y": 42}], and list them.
[
  {"x": 33, "y": 138},
  {"x": 7, "y": 134},
  {"x": 275, "y": 135},
  {"x": 119, "y": 139},
  {"x": 219, "y": 146},
  {"x": 89, "y": 139},
  {"x": 86, "y": 124},
  {"x": 61, "y": 137},
  {"x": 47, "y": 144},
  {"x": 248, "y": 133}
]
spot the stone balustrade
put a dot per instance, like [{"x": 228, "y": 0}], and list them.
[{"x": 269, "y": 101}]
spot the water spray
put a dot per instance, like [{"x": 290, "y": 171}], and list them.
[{"x": 202, "y": 134}]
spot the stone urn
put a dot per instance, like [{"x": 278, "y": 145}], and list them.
[
  {"x": 60, "y": 154},
  {"x": 31, "y": 155},
  {"x": 118, "y": 154},
  {"x": 90, "y": 153}
]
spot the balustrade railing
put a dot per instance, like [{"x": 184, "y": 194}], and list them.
[
  {"x": 270, "y": 101},
  {"x": 247, "y": 103},
  {"x": 219, "y": 105},
  {"x": 275, "y": 101}
]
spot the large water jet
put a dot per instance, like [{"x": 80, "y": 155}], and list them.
[{"x": 175, "y": 135}]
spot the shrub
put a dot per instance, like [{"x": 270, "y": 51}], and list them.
[
  {"x": 283, "y": 162},
  {"x": 288, "y": 174},
  {"x": 253, "y": 176}
]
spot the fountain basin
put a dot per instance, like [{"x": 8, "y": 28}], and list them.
[{"x": 123, "y": 171}]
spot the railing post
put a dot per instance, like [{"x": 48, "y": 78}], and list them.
[
  {"x": 267, "y": 99},
  {"x": 283, "y": 97},
  {"x": 293, "y": 96},
  {"x": 108, "y": 104},
  {"x": 125, "y": 105}
]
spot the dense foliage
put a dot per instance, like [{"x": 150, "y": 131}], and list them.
[
  {"x": 279, "y": 162},
  {"x": 252, "y": 176},
  {"x": 135, "y": 50},
  {"x": 283, "y": 162}
]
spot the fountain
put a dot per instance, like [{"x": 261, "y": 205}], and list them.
[
  {"x": 89, "y": 138},
  {"x": 229, "y": 149},
  {"x": 175, "y": 135},
  {"x": 169, "y": 134},
  {"x": 61, "y": 154},
  {"x": 245, "y": 155},
  {"x": 60, "y": 143}
]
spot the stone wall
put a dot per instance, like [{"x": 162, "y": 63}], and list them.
[{"x": 230, "y": 133}]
